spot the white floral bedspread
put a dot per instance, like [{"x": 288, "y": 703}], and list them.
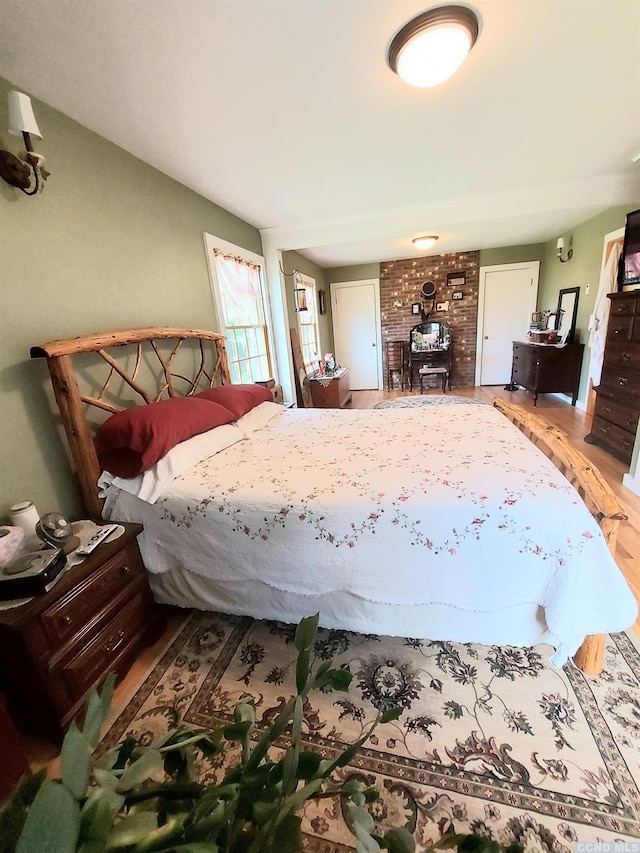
[{"x": 441, "y": 504}]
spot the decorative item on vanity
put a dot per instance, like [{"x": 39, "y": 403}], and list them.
[
  {"x": 13, "y": 170},
  {"x": 560, "y": 249},
  {"x": 55, "y": 530}
]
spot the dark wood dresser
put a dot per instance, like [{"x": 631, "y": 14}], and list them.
[
  {"x": 331, "y": 392},
  {"x": 547, "y": 369},
  {"x": 58, "y": 645},
  {"x": 617, "y": 410}
]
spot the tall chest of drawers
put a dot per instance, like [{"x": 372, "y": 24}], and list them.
[
  {"x": 617, "y": 409},
  {"x": 57, "y": 646}
]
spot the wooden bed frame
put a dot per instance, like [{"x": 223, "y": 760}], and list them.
[{"x": 211, "y": 368}]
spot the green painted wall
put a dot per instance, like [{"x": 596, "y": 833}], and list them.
[
  {"x": 584, "y": 268},
  {"x": 357, "y": 272},
  {"x": 295, "y": 261},
  {"x": 110, "y": 243},
  {"x": 512, "y": 254}
]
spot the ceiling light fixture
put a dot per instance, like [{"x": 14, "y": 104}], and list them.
[
  {"x": 429, "y": 48},
  {"x": 424, "y": 242}
]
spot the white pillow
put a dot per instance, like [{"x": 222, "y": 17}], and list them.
[
  {"x": 259, "y": 416},
  {"x": 150, "y": 485}
]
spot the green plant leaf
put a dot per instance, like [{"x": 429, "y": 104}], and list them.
[
  {"x": 340, "y": 679},
  {"x": 399, "y": 840},
  {"x": 106, "y": 693},
  {"x": 236, "y": 731},
  {"x": 76, "y": 762},
  {"x": 306, "y": 632},
  {"x": 133, "y": 828},
  {"x": 302, "y": 669},
  {"x": 149, "y": 763},
  {"x": 308, "y": 764},
  {"x": 288, "y": 836},
  {"x": 244, "y": 712},
  {"x": 96, "y": 818},
  {"x": 93, "y": 718},
  {"x": 391, "y": 714},
  {"x": 478, "y": 844},
  {"x": 53, "y": 822}
]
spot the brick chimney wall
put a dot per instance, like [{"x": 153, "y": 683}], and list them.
[{"x": 402, "y": 281}]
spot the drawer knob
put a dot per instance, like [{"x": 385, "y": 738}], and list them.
[
  {"x": 607, "y": 410},
  {"x": 622, "y": 380},
  {"x": 617, "y": 331},
  {"x": 626, "y": 356},
  {"x": 604, "y": 430},
  {"x": 626, "y": 444},
  {"x": 67, "y": 620},
  {"x": 631, "y": 421},
  {"x": 114, "y": 642},
  {"x": 126, "y": 570}
]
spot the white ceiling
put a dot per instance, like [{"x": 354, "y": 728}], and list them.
[{"x": 285, "y": 113}]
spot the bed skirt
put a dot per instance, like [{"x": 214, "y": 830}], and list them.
[{"x": 523, "y": 625}]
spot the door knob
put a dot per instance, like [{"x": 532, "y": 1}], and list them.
[
  {"x": 486, "y": 337},
  {"x": 373, "y": 344}
]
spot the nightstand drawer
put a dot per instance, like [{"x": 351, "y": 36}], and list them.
[
  {"x": 71, "y": 612},
  {"x": 108, "y": 648}
]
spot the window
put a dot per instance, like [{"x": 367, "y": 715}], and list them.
[
  {"x": 240, "y": 297},
  {"x": 306, "y": 301}
]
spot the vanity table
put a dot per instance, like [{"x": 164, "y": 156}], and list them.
[{"x": 547, "y": 368}]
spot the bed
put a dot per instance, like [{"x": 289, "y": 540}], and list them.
[{"x": 479, "y": 524}]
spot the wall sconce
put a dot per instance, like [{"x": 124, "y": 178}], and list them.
[
  {"x": 299, "y": 293},
  {"x": 560, "y": 247},
  {"x": 13, "y": 170}
]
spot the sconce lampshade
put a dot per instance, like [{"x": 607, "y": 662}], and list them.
[
  {"x": 21, "y": 117},
  {"x": 428, "y": 49}
]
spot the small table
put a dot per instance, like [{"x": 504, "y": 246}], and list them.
[
  {"x": 331, "y": 392},
  {"x": 57, "y": 646}
]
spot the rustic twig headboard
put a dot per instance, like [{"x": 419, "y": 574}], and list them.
[{"x": 151, "y": 365}]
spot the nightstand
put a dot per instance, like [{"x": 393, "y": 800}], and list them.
[{"x": 58, "y": 645}]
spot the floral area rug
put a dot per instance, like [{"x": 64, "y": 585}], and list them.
[
  {"x": 492, "y": 739},
  {"x": 415, "y": 401}
]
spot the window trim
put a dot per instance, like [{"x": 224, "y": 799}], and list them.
[
  {"x": 309, "y": 282},
  {"x": 212, "y": 242}
]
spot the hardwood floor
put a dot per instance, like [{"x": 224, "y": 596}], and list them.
[{"x": 557, "y": 411}]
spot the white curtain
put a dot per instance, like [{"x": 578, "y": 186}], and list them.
[
  {"x": 239, "y": 283},
  {"x": 598, "y": 320}
]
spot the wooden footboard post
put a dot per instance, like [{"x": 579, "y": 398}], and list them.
[{"x": 590, "y": 656}]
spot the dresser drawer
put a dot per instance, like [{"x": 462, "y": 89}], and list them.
[
  {"x": 621, "y": 305},
  {"x": 621, "y": 380},
  {"x": 110, "y": 646},
  {"x": 617, "y": 413},
  {"x": 617, "y": 441},
  {"x": 71, "y": 612},
  {"x": 620, "y": 328},
  {"x": 622, "y": 355}
]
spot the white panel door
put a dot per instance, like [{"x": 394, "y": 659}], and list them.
[
  {"x": 355, "y": 307},
  {"x": 506, "y": 300}
]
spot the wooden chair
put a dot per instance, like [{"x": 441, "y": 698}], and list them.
[
  {"x": 396, "y": 362},
  {"x": 443, "y": 372}
]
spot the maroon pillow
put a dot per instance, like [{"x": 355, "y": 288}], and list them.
[
  {"x": 131, "y": 441},
  {"x": 239, "y": 399}
]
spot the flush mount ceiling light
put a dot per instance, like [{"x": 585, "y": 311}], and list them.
[
  {"x": 429, "y": 48},
  {"x": 424, "y": 242}
]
